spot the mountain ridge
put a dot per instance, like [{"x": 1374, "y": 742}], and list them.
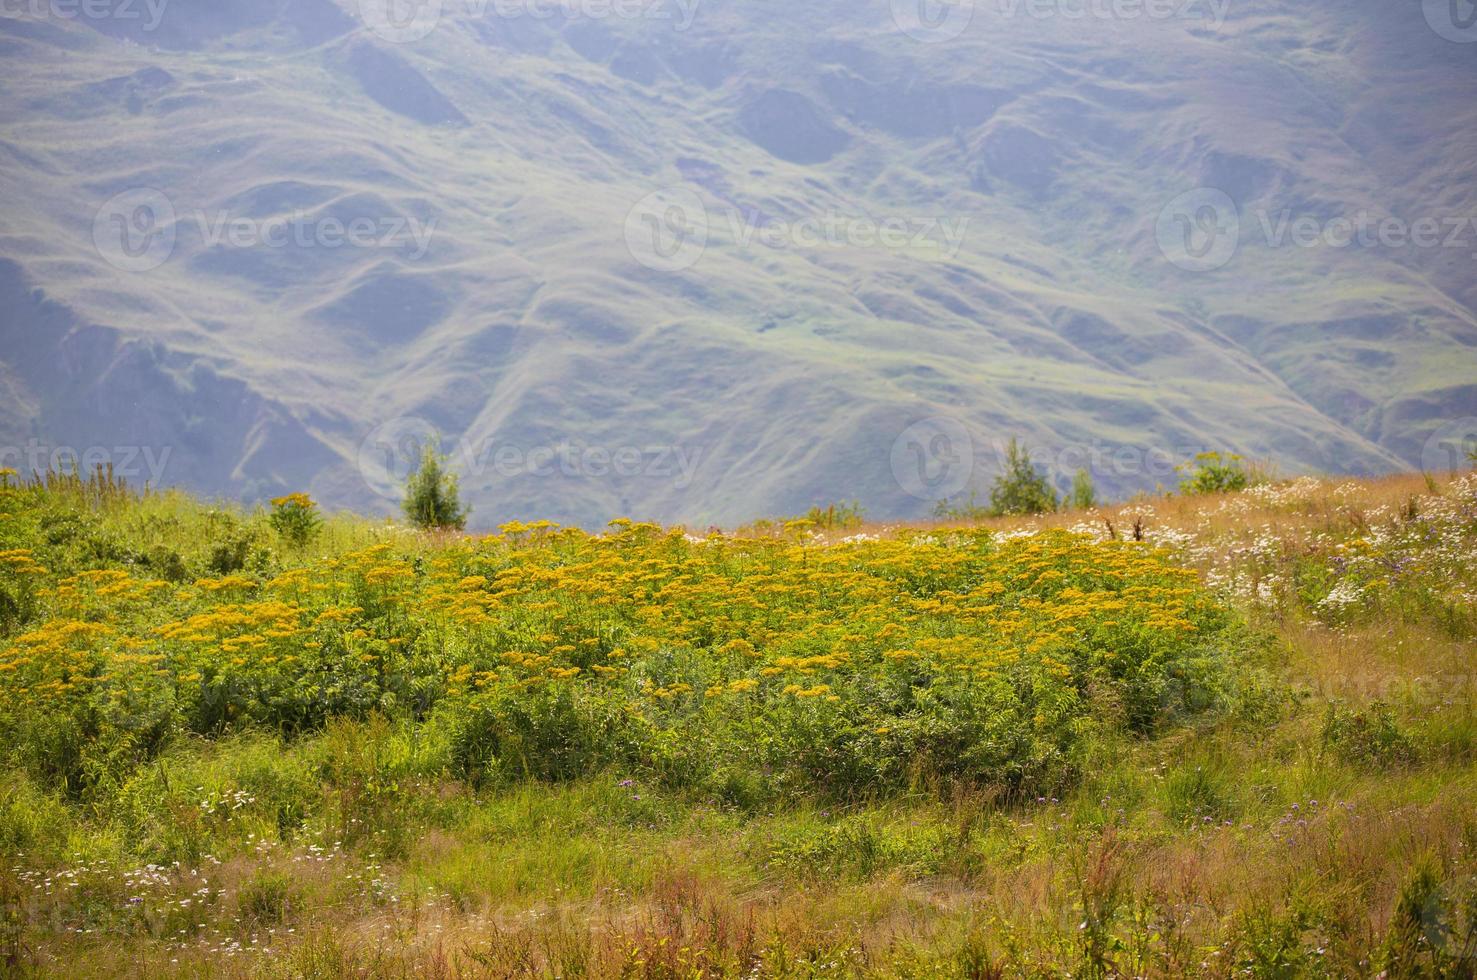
[{"x": 541, "y": 312}]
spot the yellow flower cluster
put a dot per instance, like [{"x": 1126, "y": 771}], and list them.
[
  {"x": 654, "y": 617},
  {"x": 21, "y": 561}
]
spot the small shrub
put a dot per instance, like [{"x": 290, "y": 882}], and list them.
[
  {"x": 1370, "y": 737},
  {"x": 1212, "y": 472},
  {"x": 1101, "y": 882},
  {"x": 19, "y": 574},
  {"x": 370, "y": 770},
  {"x": 1450, "y": 922},
  {"x": 545, "y": 733},
  {"x": 168, "y": 564},
  {"x": 229, "y": 552}
]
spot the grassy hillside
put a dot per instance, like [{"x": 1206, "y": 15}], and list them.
[
  {"x": 1220, "y": 735},
  {"x": 529, "y": 149}
]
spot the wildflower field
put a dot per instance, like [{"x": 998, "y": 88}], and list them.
[{"x": 1224, "y": 735}]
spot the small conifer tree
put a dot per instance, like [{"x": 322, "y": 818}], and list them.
[
  {"x": 432, "y": 500},
  {"x": 1020, "y": 489},
  {"x": 1084, "y": 494}
]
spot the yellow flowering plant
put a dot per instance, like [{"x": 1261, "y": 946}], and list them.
[{"x": 847, "y": 668}]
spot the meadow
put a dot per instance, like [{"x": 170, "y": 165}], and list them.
[{"x": 1221, "y": 735}]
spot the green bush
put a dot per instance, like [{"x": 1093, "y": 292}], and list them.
[
  {"x": 1369, "y": 737},
  {"x": 545, "y": 733},
  {"x": 229, "y": 553},
  {"x": 1212, "y": 472}
]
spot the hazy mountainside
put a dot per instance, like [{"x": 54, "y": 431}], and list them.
[{"x": 737, "y": 249}]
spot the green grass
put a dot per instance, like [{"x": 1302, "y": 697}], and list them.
[{"x": 1295, "y": 829}]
